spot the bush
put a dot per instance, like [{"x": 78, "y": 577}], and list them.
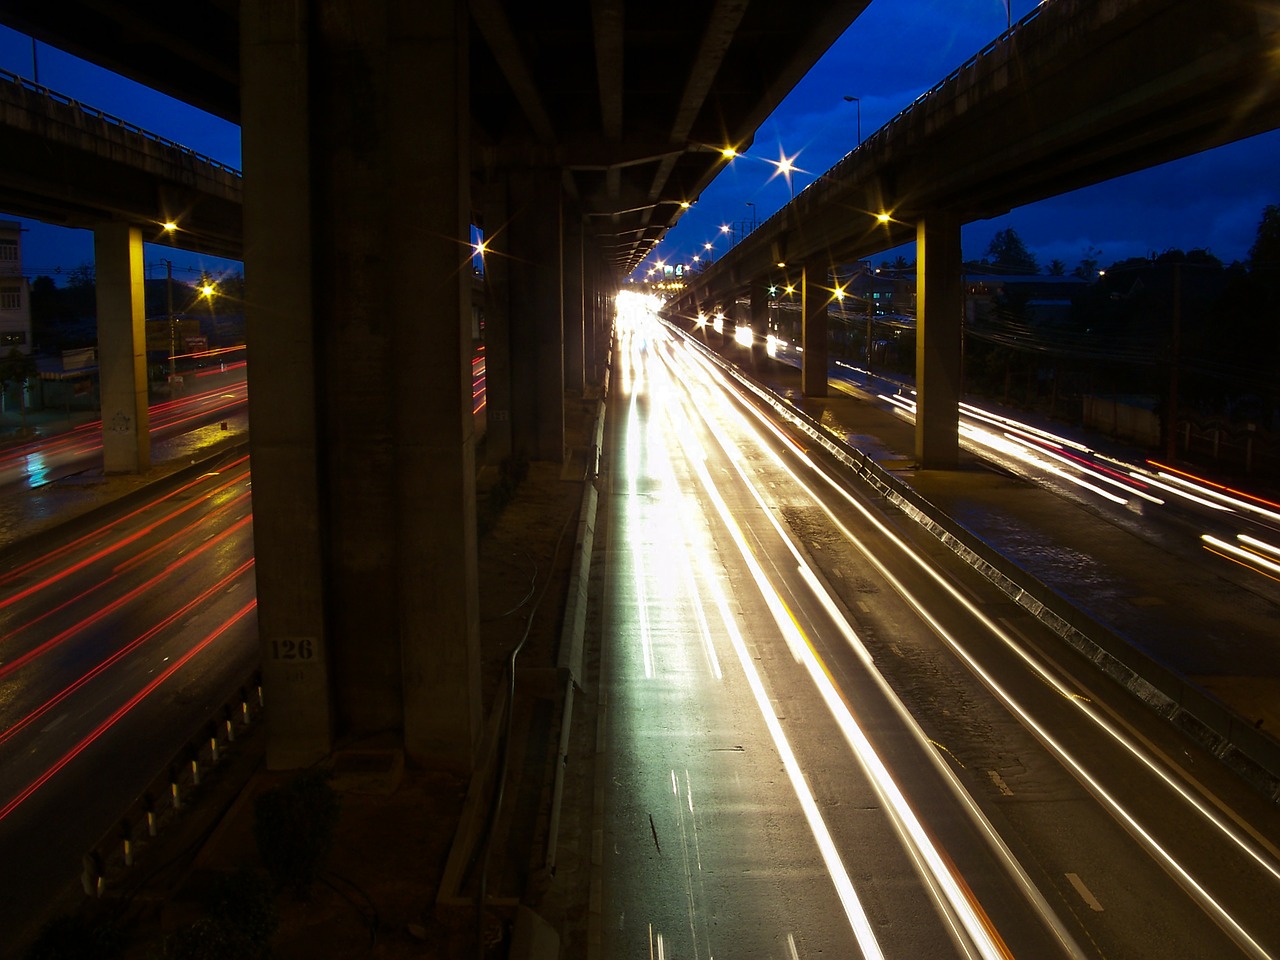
[{"x": 293, "y": 825}]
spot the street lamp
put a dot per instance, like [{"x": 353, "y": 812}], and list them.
[
  {"x": 168, "y": 297},
  {"x": 858, "y": 103}
]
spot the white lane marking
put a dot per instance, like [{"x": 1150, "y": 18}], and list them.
[
  {"x": 999, "y": 782},
  {"x": 1085, "y": 894}
]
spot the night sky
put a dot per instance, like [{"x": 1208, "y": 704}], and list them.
[{"x": 894, "y": 52}]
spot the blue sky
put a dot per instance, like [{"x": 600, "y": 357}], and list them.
[{"x": 895, "y": 51}]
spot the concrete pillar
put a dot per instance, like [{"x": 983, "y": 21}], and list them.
[
  {"x": 938, "y": 312},
  {"x": 759, "y": 319},
  {"x": 537, "y": 324},
  {"x": 122, "y": 348},
  {"x": 814, "y": 300},
  {"x": 364, "y": 473},
  {"x": 590, "y": 320},
  {"x": 284, "y": 444},
  {"x": 574, "y": 308}
]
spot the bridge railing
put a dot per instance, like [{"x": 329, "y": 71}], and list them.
[
  {"x": 897, "y": 120},
  {"x": 133, "y": 128}
]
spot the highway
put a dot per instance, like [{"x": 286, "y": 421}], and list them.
[
  {"x": 188, "y": 420},
  {"x": 825, "y": 736},
  {"x": 118, "y": 642}
]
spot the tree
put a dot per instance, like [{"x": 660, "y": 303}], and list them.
[
  {"x": 18, "y": 368},
  {"x": 1056, "y": 268},
  {"x": 1264, "y": 255},
  {"x": 1265, "y": 251},
  {"x": 1088, "y": 266},
  {"x": 1009, "y": 254}
]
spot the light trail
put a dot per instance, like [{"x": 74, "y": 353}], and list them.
[
  {"x": 10, "y": 667},
  {"x": 1250, "y": 558},
  {"x": 27, "y": 569},
  {"x": 123, "y": 710},
  {"x": 190, "y": 606},
  {"x": 963, "y": 912},
  {"x": 1242, "y": 938},
  {"x": 952, "y": 896}
]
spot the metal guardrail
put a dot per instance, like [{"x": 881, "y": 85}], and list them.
[
  {"x": 172, "y": 790},
  {"x": 115, "y": 121}
]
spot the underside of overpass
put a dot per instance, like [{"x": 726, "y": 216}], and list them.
[{"x": 375, "y": 134}]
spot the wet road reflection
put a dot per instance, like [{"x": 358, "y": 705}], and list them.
[{"x": 769, "y": 791}]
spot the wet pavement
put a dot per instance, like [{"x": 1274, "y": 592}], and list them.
[{"x": 1210, "y": 621}]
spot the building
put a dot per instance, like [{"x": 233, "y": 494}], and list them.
[{"x": 15, "y": 299}]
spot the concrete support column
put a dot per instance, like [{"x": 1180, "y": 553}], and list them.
[
  {"x": 590, "y": 320},
  {"x": 363, "y": 440},
  {"x": 288, "y": 520},
  {"x": 814, "y": 300},
  {"x": 575, "y": 320},
  {"x": 759, "y": 319},
  {"x": 537, "y": 325},
  {"x": 122, "y": 348},
  {"x": 938, "y": 313}
]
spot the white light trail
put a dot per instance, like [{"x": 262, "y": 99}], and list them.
[
  {"x": 1223, "y": 825},
  {"x": 1248, "y": 556}
]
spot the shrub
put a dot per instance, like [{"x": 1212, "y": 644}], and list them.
[{"x": 293, "y": 825}]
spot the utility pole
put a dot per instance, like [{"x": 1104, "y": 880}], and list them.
[{"x": 168, "y": 295}]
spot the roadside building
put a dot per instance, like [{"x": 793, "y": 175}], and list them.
[{"x": 15, "y": 299}]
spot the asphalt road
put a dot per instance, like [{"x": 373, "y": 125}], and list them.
[
  {"x": 824, "y": 736},
  {"x": 119, "y": 641}
]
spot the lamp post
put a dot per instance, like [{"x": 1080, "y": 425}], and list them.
[
  {"x": 858, "y": 103},
  {"x": 168, "y": 297}
]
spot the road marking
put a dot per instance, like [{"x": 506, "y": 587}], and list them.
[
  {"x": 999, "y": 782},
  {"x": 1084, "y": 892}
]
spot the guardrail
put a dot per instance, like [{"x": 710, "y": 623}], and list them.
[
  {"x": 172, "y": 791},
  {"x": 1253, "y": 755},
  {"x": 125, "y": 125}
]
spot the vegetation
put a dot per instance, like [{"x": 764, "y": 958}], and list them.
[
  {"x": 294, "y": 825},
  {"x": 16, "y": 369},
  {"x": 239, "y": 923},
  {"x": 63, "y": 317},
  {"x": 1179, "y": 326}
]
